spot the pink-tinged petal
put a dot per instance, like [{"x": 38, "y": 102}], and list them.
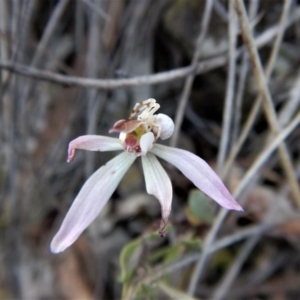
[
  {"x": 199, "y": 172},
  {"x": 93, "y": 143},
  {"x": 146, "y": 142},
  {"x": 159, "y": 185},
  {"x": 91, "y": 199}
]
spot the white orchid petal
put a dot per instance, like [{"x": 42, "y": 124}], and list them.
[
  {"x": 166, "y": 126},
  {"x": 199, "y": 172},
  {"x": 146, "y": 142},
  {"x": 158, "y": 183},
  {"x": 91, "y": 199},
  {"x": 93, "y": 143}
]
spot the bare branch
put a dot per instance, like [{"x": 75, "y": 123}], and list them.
[
  {"x": 190, "y": 79},
  {"x": 230, "y": 89},
  {"x": 267, "y": 99}
]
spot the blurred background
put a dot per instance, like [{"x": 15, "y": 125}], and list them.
[{"x": 75, "y": 67}]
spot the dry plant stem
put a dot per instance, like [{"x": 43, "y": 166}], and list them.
[
  {"x": 109, "y": 84},
  {"x": 162, "y": 77},
  {"x": 253, "y": 8},
  {"x": 27, "y": 12},
  {"x": 227, "y": 111},
  {"x": 47, "y": 34},
  {"x": 222, "y": 290},
  {"x": 239, "y": 236},
  {"x": 189, "y": 259},
  {"x": 49, "y": 30},
  {"x": 225, "y": 132},
  {"x": 7, "y": 111},
  {"x": 10, "y": 178},
  {"x": 38, "y": 56},
  {"x": 252, "y": 231},
  {"x": 239, "y": 98},
  {"x": 265, "y": 154},
  {"x": 200, "y": 266},
  {"x": 291, "y": 105},
  {"x": 266, "y": 97},
  {"x": 196, "y": 276},
  {"x": 259, "y": 161},
  {"x": 242, "y": 137},
  {"x": 224, "y": 242},
  {"x": 10, "y": 43},
  {"x": 79, "y": 27},
  {"x": 220, "y": 10},
  {"x": 15, "y": 26},
  {"x": 173, "y": 292},
  {"x": 4, "y": 42},
  {"x": 93, "y": 52},
  {"x": 257, "y": 103},
  {"x": 234, "y": 269},
  {"x": 96, "y": 8},
  {"x": 190, "y": 79}
]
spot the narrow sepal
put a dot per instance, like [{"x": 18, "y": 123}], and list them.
[
  {"x": 93, "y": 143},
  {"x": 91, "y": 199},
  {"x": 199, "y": 172}
]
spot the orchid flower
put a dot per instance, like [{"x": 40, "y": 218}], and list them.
[{"x": 137, "y": 137}]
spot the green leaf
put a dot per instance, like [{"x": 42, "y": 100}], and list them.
[
  {"x": 130, "y": 254},
  {"x": 192, "y": 244},
  {"x": 200, "y": 206},
  {"x": 173, "y": 293},
  {"x": 145, "y": 291},
  {"x": 165, "y": 253},
  {"x": 129, "y": 259}
]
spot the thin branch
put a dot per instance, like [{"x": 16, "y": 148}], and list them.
[
  {"x": 49, "y": 30},
  {"x": 261, "y": 159},
  {"x": 190, "y": 79},
  {"x": 4, "y": 42},
  {"x": 227, "y": 111},
  {"x": 96, "y": 8},
  {"x": 253, "y": 8},
  {"x": 38, "y": 56},
  {"x": 265, "y": 154},
  {"x": 109, "y": 84},
  {"x": 220, "y": 10},
  {"x": 162, "y": 77},
  {"x": 239, "y": 236},
  {"x": 257, "y": 103},
  {"x": 222, "y": 290},
  {"x": 291, "y": 105},
  {"x": 266, "y": 96},
  {"x": 268, "y": 222},
  {"x": 92, "y": 70},
  {"x": 238, "y": 101},
  {"x": 224, "y": 242},
  {"x": 225, "y": 130}
]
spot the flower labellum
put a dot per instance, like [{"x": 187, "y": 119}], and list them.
[{"x": 138, "y": 136}]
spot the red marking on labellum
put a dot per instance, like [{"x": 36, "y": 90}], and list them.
[
  {"x": 131, "y": 141},
  {"x": 137, "y": 149}
]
